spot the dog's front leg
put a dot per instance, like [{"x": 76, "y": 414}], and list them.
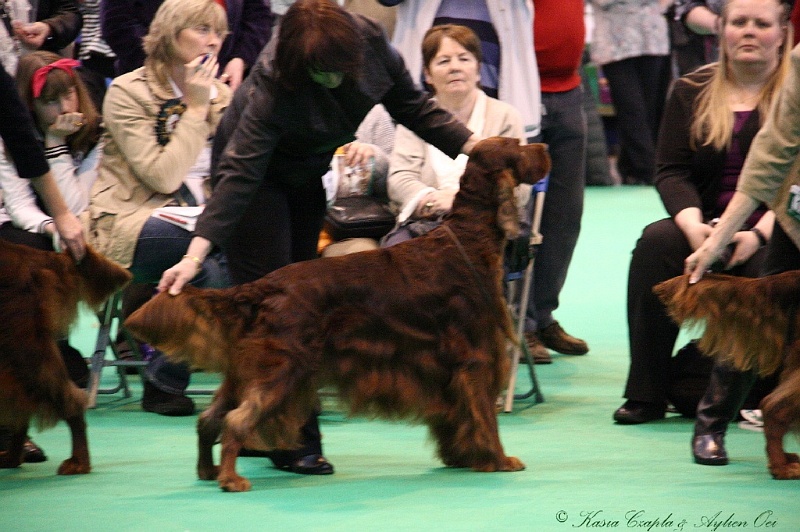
[
  {"x": 475, "y": 441},
  {"x": 78, "y": 463},
  {"x": 229, "y": 479}
]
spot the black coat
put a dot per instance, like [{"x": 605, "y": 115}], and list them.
[
  {"x": 270, "y": 133},
  {"x": 687, "y": 177},
  {"x": 64, "y": 19}
]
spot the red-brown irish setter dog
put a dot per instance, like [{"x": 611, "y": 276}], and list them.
[
  {"x": 415, "y": 331},
  {"x": 751, "y": 324},
  {"x": 39, "y": 296}
]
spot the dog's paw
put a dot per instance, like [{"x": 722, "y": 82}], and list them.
[
  {"x": 512, "y": 463},
  {"x": 71, "y": 466},
  {"x": 207, "y": 473},
  {"x": 505, "y": 463},
  {"x": 234, "y": 483},
  {"x": 788, "y": 470}
]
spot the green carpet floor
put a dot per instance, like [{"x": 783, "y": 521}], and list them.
[{"x": 583, "y": 472}]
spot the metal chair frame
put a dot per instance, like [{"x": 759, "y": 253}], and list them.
[
  {"x": 110, "y": 318},
  {"x": 517, "y": 309}
]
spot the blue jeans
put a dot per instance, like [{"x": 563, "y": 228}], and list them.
[{"x": 160, "y": 246}]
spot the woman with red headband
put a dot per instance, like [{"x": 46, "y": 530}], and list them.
[{"x": 68, "y": 126}]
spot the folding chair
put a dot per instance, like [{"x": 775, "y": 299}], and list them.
[
  {"x": 108, "y": 315},
  {"x": 518, "y": 297},
  {"x": 111, "y": 312}
]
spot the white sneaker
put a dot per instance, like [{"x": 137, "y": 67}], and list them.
[
  {"x": 753, "y": 420},
  {"x": 753, "y": 416}
]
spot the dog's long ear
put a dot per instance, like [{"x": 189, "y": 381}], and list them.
[
  {"x": 507, "y": 212},
  {"x": 746, "y": 320}
]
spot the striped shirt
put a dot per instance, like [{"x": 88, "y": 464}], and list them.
[
  {"x": 475, "y": 15},
  {"x": 91, "y": 39}
]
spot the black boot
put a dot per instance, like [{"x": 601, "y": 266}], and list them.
[{"x": 727, "y": 390}]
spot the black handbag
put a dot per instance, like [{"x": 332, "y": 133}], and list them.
[{"x": 358, "y": 217}]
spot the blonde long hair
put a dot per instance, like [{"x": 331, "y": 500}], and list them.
[
  {"x": 172, "y": 17},
  {"x": 713, "y": 123}
]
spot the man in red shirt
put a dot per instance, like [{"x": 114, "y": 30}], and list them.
[{"x": 559, "y": 40}]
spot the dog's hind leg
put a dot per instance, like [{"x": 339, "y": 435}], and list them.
[
  {"x": 78, "y": 463},
  {"x": 72, "y": 409},
  {"x": 237, "y": 425},
  {"x": 266, "y": 405},
  {"x": 781, "y": 409},
  {"x": 467, "y": 435}
]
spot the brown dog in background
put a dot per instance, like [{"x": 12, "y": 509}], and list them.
[
  {"x": 750, "y": 324},
  {"x": 39, "y": 296},
  {"x": 415, "y": 331}
]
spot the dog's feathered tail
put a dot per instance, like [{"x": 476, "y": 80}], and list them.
[
  {"x": 196, "y": 330},
  {"x": 747, "y": 321}
]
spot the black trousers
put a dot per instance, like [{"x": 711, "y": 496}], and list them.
[
  {"x": 281, "y": 226},
  {"x": 638, "y": 89}
]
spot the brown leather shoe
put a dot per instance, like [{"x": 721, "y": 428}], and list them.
[
  {"x": 538, "y": 351},
  {"x": 555, "y": 338}
]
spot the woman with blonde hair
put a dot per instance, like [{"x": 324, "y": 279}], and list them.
[
  {"x": 710, "y": 120},
  {"x": 161, "y": 119}
]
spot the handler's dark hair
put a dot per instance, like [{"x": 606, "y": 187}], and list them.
[{"x": 318, "y": 35}]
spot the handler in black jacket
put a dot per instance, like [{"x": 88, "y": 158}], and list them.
[{"x": 276, "y": 140}]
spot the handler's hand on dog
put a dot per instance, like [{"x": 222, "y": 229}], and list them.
[
  {"x": 701, "y": 260},
  {"x": 175, "y": 278},
  {"x": 70, "y": 231}
]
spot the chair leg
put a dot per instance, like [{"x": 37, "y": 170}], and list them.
[{"x": 107, "y": 315}]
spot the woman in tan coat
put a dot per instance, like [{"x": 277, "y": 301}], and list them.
[{"x": 160, "y": 122}]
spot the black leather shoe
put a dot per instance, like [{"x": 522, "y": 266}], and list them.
[
  {"x": 164, "y": 403},
  {"x": 709, "y": 449},
  {"x": 637, "y": 412},
  {"x": 32, "y": 453},
  {"x": 312, "y": 464}
]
